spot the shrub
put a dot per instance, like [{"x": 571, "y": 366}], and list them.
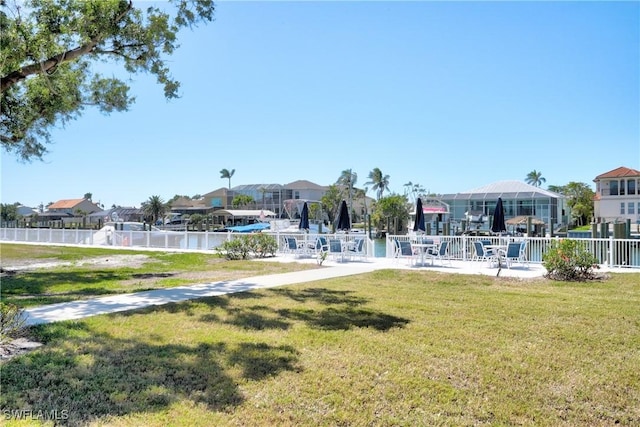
[
  {"x": 262, "y": 245},
  {"x": 569, "y": 260},
  {"x": 12, "y": 322},
  {"x": 258, "y": 244}
]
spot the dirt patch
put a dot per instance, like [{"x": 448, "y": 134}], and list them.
[
  {"x": 16, "y": 347},
  {"x": 105, "y": 261}
]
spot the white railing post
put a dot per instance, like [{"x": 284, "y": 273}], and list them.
[
  {"x": 611, "y": 251},
  {"x": 464, "y": 248}
]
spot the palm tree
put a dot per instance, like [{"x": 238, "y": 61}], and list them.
[
  {"x": 348, "y": 178},
  {"x": 379, "y": 181},
  {"x": 154, "y": 208},
  {"x": 226, "y": 174},
  {"x": 362, "y": 195},
  {"x": 408, "y": 187},
  {"x": 535, "y": 178}
]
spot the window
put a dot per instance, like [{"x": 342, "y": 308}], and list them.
[
  {"x": 622, "y": 208},
  {"x": 630, "y": 208},
  {"x": 622, "y": 187},
  {"x": 613, "y": 188},
  {"x": 525, "y": 207},
  {"x": 631, "y": 186}
]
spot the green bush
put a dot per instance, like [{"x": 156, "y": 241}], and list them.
[
  {"x": 569, "y": 260},
  {"x": 12, "y": 322},
  {"x": 262, "y": 245},
  {"x": 258, "y": 245}
]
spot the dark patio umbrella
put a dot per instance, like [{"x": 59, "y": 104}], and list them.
[
  {"x": 498, "y": 225},
  {"x": 344, "y": 222},
  {"x": 304, "y": 218},
  {"x": 419, "y": 225}
]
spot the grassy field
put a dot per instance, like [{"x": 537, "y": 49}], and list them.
[
  {"x": 83, "y": 279},
  {"x": 394, "y": 347}
]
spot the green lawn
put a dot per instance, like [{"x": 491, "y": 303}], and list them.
[
  {"x": 394, "y": 347},
  {"x": 81, "y": 281}
]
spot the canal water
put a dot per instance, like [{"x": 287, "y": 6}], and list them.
[{"x": 379, "y": 248}]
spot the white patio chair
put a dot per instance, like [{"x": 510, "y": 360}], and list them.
[
  {"x": 513, "y": 253},
  {"x": 484, "y": 254},
  {"x": 404, "y": 250},
  {"x": 441, "y": 252},
  {"x": 357, "y": 250},
  {"x": 293, "y": 246},
  {"x": 335, "y": 249}
]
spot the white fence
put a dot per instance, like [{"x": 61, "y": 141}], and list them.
[
  {"x": 608, "y": 251},
  {"x": 154, "y": 239}
]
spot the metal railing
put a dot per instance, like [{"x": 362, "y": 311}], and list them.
[
  {"x": 167, "y": 240},
  {"x": 608, "y": 251}
]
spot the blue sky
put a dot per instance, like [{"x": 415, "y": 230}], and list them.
[{"x": 449, "y": 95}]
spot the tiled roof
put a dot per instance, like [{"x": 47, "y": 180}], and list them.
[
  {"x": 620, "y": 172},
  {"x": 65, "y": 204}
]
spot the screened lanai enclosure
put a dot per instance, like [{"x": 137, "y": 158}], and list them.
[{"x": 518, "y": 199}]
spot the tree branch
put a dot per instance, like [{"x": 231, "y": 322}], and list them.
[{"x": 41, "y": 67}]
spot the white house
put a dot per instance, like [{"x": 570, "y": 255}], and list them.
[{"x": 617, "y": 197}]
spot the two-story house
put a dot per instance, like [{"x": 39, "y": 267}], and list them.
[
  {"x": 617, "y": 196},
  {"x": 73, "y": 207}
]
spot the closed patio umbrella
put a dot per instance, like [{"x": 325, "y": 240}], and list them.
[
  {"x": 304, "y": 218},
  {"x": 344, "y": 222},
  {"x": 419, "y": 224},
  {"x": 498, "y": 225}
]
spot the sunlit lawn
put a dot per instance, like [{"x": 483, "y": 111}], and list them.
[
  {"x": 81, "y": 281},
  {"x": 386, "y": 348}
]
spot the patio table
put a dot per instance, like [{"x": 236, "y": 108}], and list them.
[
  {"x": 424, "y": 248},
  {"x": 499, "y": 250}
]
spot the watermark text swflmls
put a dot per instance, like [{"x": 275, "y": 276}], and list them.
[{"x": 30, "y": 414}]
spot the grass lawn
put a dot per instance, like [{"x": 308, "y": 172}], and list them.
[
  {"x": 393, "y": 347},
  {"x": 84, "y": 279}
]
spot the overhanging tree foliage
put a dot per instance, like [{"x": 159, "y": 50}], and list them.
[{"x": 50, "y": 49}]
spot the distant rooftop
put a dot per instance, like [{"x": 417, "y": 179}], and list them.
[
  {"x": 506, "y": 189},
  {"x": 621, "y": 172}
]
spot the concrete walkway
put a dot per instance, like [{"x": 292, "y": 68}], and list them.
[{"x": 116, "y": 303}]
